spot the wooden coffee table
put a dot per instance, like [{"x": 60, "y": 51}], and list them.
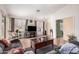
[{"x": 43, "y": 44}]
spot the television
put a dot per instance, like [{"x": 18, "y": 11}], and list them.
[{"x": 31, "y": 28}]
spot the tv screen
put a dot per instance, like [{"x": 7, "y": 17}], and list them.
[{"x": 31, "y": 28}]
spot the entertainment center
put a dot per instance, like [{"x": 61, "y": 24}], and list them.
[
  {"x": 34, "y": 28},
  {"x": 32, "y": 31}
]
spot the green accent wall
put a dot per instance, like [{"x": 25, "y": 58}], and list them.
[{"x": 59, "y": 32}]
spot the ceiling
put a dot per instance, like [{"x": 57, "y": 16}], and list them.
[{"x": 24, "y": 10}]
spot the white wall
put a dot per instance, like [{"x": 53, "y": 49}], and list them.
[
  {"x": 31, "y": 23},
  {"x": 67, "y": 11},
  {"x": 39, "y": 28},
  {"x": 51, "y": 24},
  {"x": 20, "y": 24},
  {"x": 0, "y": 25},
  {"x": 7, "y": 27},
  {"x": 4, "y": 13}
]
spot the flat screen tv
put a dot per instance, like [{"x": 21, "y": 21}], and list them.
[{"x": 31, "y": 28}]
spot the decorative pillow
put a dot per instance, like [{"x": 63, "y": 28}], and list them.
[
  {"x": 17, "y": 51},
  {"x": 6, "y": 42}
]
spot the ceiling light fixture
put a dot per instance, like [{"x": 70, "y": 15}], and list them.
[{"x": 37, "y": 10}]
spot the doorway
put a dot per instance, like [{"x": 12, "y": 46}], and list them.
[
  {"x": 68, "y": 27},
  {"x": 64, "y": 27},
  {"x": 59, "y": 32}
]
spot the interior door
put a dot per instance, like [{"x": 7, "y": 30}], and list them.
[
  {"x": 68, "y": 27},
  {"x": 59, "y": 29}
]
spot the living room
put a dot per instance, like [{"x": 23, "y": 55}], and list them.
[{"x": 37, "y": 29}]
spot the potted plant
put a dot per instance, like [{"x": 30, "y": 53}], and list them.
[{"x": 72, "y": 37}]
